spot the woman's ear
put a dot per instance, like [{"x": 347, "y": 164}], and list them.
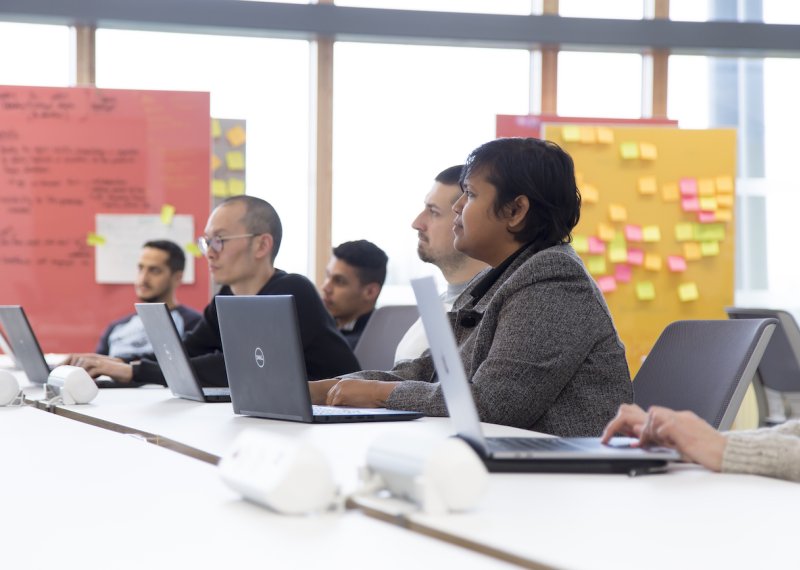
[{"x": 516, "y": 211}]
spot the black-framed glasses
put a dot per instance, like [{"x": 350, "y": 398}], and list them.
[{"x": 216, "y": 243}]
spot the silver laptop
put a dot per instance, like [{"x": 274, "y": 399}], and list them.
[
  {"x": 266, "y": 366},
  {"x": 384, "y": 331},
  {"x": 28, "y": 354},
  {"x": 534, "y": 454},
  {"x": 172, "y": 358}
]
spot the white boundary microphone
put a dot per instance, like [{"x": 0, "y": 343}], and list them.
[
  {"x": 289, "y": 476},
  {"x": 9, "y": 389},
  {"x": 72, "y": 384},
  {"x": 439, "y": 474}
]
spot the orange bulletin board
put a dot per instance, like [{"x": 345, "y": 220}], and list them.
[
  {"x": 657, "y": 228},
  {"x": 67, "y": 154}
]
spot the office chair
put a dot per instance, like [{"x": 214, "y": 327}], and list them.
[
  {"x": 779, "y": 370},
  {"x": 703, "y": 366},
  {"x": 385, "y": 328}
]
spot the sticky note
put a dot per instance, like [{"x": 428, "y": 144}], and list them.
[
  {"x": 670, "y": 192},
  {"x": 633, "y": 232},
  {"x": 617, "y": 213},
  {"x": 588, "y": 135},
  {"x": 709, "y": 248},
  {"x": 705, "y": 187},
  {"x": 236, "y": 136},
  {"x": 619, "y": 239},
  {"x": 676, "y": 263},
  {"x": 235, "y": 160},
  {"x": 725, "y": 201},
  {"x": 708, "y": 203},
  {"x": 571, "y": 133},
  {"x": 235, "y": 186},
  {"x": 648, "y": 185},
  {"x": 589, "y": 194},
  {"x": 691, "y": 251},
  {"x": 690, "y": 204},
  {"x": 167, "y": 213},
  {"x": 192, "y": 249},
  {"x": 709, "y": 232},
  {"x": 684, "y": 231},
  {"x": 596, "y": 246},
  {"x": 648, "y": 151},
  {"x": 623, "y": 273},
  {"x": 652, "y": 262},
  {"x": 94, "y": 239},
  {"x": 219, "y": 188},
  {"x": 580, "y": 243},
  {"x": 688, "y": 186},
  {"x": 216, "y": 129},
  {"x": 651, "y": 234},
  {"x": 635, "y": 256},
  {"x": 688, "y": 292},
  {"x": 215, "y": 162},
  {"x": 707, "y": 217},
  {"x": 607, "y": 284},
  {"x": 724, "y": 184},
  {"x": 618, "y": 254},
  {"x": 606, "y": 232},
  {"x": 605, "y": 135},
  {"x": 724, "y": 215},
  {"x": 629, "y": 150},
  {"x": 645, "y": 291},
  {"x": 596, "y": 265}
]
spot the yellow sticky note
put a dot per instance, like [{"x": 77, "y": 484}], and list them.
[
  {"x": 724, "y": 184},
  {"x": 215, "y": 162},
  {"x": 235, "y": 160},
  {"x": 617, "y": 213},
  {"x": 709, "y": 248},
  {"x": 236, "y": 136},
  {"x": 219, "y": 188},
  {"x": 235, "y": 186},
  {"x": 216, "y": 129},
  {"x": 708, "y": 204},
  {"x": 571, "y": 133},
  {"x": 629, "y": 150},
  {"x": 651, "y": 233},
  {"x": 606, "y": 232},
  {"x": 605, "y": 135},
  {"x": 94, "y": 239},
  {"x": 596, "y": 265},
  {"x": 725, "y": 200},
  {"x": 723, "y": 215},
  {"x": 652, "y": 261},
  {"x": 618, "y": 254},
  {"x": 691, "y": 251},
  {"x": 684, "y": 231},
  {"x": 705, "y": 187},
  {"x": 648, "y": 151},
  {"x": 688, "y": 292},
  {"x": 589, "y": 194},
  {"x": 670, "y": 192},
  {"x": 645, "y": 291},
  {"x": 192, "y": 249},
  {"x": 167, "y": 213},
  {"x": 580, "y": 243},
  {"x": 648, "y": 185},
  {"x": 588, "y": 135}
]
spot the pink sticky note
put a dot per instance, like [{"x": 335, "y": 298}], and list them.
[
  {"x": 633, "y": 232},
  {"x": 690, "y": 204},
  {"x": 635, "y": 256},
  {"x": 622, "y": 273},
  {"x": 688, "y": 187},
  {"x": 596, "y": 246},
  {"x": 676, "y": 263},
  {"x": 607, "y": 283},
  {"x": 706, "y": 217}
]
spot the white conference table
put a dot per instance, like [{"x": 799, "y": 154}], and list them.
[{"x": 75, "y": 496}]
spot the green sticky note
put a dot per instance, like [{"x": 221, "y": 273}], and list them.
[
  {"x": 571, "y": 133},
  {"x": 651, "y": 234},
  {"x": 709, "y": 232},
  {"x": 216, "y": 128},
  {"x": 709, "y": 248},
  {"x": 688, "y": 292},
  {"x": 94, "y": 239},
  {"x": 645, "y": 291},
  {"x": 219, "y": 188},
  {"x": 618, "y": 254},
  {"x": 619, "y": 239},
  {"x": 596, "y": 265},
  {"x": 192, "y": 249},
  {"x": 167, "y": 213},
  {"x": 580, "y": 243},
  {"x": 629, "y": 150},
  {"x": 684, "y": 232},
  {"x": 235, "y": 186}
]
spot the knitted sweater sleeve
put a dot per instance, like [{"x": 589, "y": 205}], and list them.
[{"x": 772, "y": 452}]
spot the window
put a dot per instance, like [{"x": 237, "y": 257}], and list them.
[
  {"x": 34, "y": 55},
  {"x": 600, "y": 85},
  {"x": 514, "y": 7}
]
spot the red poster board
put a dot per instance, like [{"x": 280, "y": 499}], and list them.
[
  {"x": 531, "y": 125},
  {"x": 67, "y": 154}
]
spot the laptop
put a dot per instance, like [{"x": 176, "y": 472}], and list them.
[
  {"x": 520, "y": 454},
  {"x": 28, "y": 354},
  {"x": 172, "y": 357},
  {"x": 384, "y": 331},
  {"x": 266, "y": 366}
]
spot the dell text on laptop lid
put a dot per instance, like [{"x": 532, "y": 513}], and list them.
[
  {"x": 517, "y": 453},
  {"x": 266, "y": 367}
]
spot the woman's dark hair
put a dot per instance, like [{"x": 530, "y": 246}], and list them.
[{"x": 540, "y": 170}]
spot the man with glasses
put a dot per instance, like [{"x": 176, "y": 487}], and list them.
[{"x": 241, "y": 239}]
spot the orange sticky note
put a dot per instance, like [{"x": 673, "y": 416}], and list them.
[
  {"x": 589, "y": 194},
  {"x": 605, "y": 135},
  {"x": 571, "y": 133},
  {"x": 723, "y": 215},
  {"x": 652, "y": 261},
  {"x": 725, "y": 200},
  {"x": 691, "y": 251},
  {"x": 617, "y": 213},
  {"x": 645, "y": 291},
  {"x": 236, "y": 136},
  {"x": 651, "y": 234},
  {"x": 629, "y": 150},
  {"x": 215, "y": 162},
  {"x": 688, "y": 292},
  {"x": 588, "y": 135},
  {"x": 606, "y": 232},
  {"x": 648, "y": 151},
  {"x": 648, "y": 185},
  {"x": 724, "y": 184},
  {"x": 705, "y": 187},
  {"x": 670, "y": 192}
]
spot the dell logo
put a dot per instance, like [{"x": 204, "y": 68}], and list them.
[{"x": 259, "y": 357}]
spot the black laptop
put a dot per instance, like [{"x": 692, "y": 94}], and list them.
[
  {"x": 266, "y": 366},
  {"x": 520, "y": 454},
  {"x": 172, "y": 358}
]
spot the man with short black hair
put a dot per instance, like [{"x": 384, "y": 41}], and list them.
[
  {"x": 353, "y": 280},
  {"x": 160, "y": 270}
]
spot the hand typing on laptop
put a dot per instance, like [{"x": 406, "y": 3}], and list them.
[
  {"x": 101, "y": 365},
  {"x": 351, "y": 392}
]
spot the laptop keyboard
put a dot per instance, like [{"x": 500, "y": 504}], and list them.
[
  {"x": 336, "y": 411},
  {"x": 533, "y": 444}
]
